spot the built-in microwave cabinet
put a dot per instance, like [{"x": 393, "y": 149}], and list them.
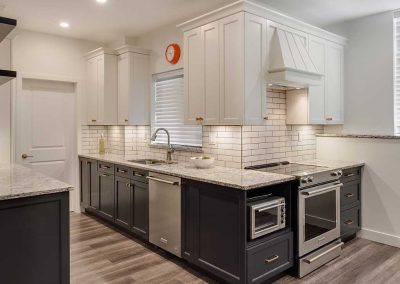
[
  {"x": 101, "y": 86},
  {"x": 224, "y": 65},
  {"x": 133, "y": 86},
  {"x": 322, "y": 104}
]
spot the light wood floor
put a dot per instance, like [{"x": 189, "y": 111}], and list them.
[{"x": 100, "y": 254}]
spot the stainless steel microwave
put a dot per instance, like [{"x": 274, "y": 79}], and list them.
[{"x": 266, "y": 216}]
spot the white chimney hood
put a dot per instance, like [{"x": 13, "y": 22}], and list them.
[{"x": 290, "y": 64}]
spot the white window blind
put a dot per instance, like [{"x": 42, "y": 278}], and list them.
[
  {"x": 168, "y": 111},
  {"x": 396, "y": 51}
]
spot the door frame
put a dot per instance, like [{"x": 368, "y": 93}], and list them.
[{"x": 16, "y": 89}]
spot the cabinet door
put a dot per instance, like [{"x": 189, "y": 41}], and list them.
[
  {"x": 84, "y": 168},
  {"x": 194, "y": 76},
  {"x": 94, "y": 186},
  {"x": 124, "y": 84},
  {"x": 140, "y": 212},
  {"x": 106, "y": 192},
  {"x": 334, "y": 84},
  {"x": 255, "y": 69},
  {"x": 123, "y": 204},
  {"x": 92, "y": 91},
  {"x": 316, "y": 94},
  {"x": 231, "y": 36},
  {"x": 210, "y": 39}
]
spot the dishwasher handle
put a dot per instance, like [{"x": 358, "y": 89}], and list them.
[{"x": 163, "y": 180}]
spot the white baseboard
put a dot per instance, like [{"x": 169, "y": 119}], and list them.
[{"x": 380, "y": 237}]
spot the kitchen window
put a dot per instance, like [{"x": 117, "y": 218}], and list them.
[
  {"x": 168, "y": 111},
  {"x": 396, "y": 80}
]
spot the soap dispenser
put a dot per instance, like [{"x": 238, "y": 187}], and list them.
[{"x": 102, "y": 149}]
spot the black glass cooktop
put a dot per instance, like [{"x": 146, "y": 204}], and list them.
[{"x": 287, "y": 168}]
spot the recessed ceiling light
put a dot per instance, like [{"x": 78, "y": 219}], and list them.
[
  {"x": 101, "y": 1},
  {"x": 64, "y": 25}
]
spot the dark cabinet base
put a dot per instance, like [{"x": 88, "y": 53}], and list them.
[{"x": 34, "y": 239}]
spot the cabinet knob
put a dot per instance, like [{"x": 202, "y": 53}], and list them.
[{"x": 329, "y": 118}]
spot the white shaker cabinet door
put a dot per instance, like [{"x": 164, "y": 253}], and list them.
[
  {"x": 334, "y": 84},
  {"x": 232, "y": 69},
  {"x": 194, "y": 76},
  {"x": 92, "y": 83},
  {"x": 210, "y": 43},
  {"x": 124, "y": 88},
  {"x": 316, "y": 94}
]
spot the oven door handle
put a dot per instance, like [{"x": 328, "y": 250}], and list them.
[
  {"x": 269, "y": 207},
  {"x": 322, "y": 190}
]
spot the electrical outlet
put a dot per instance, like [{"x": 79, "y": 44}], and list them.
[{"x": 213, "y": 138}]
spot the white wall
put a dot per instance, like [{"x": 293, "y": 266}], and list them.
[
  {"x": 5, "y": 104},
  {"x": 368, "y": 75},
  {"x": 380, "y": 195},
  {"x": 157, "y": 42}
]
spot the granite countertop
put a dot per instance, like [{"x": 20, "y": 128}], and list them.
[
  {"x": 17, "y": 182},
  {"x": 235, "y": 178},
  {"x": 360, "y": 136},
  {"x": 332, "y": 164}
]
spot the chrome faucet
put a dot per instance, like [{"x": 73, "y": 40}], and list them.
[{"x": 170, "y": 148}]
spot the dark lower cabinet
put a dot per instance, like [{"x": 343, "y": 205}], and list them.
[
  {"x": 214, "y": 233},
  {"x": 34, "y": 240},
  {"x": 88, "y": 183},
  {"x": 123, "y": 201},
  {"x": 350, "y": 203},
  {"x": 106, "y": 192},
  {"x": 140, "y": 209}
]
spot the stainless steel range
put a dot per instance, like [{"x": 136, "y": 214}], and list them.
[{"x": 318, "y": 212}]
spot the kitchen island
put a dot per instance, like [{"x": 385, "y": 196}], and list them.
[{"x": 34, "y": 222}]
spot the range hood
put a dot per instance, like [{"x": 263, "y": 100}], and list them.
[
  {"x": 290, "y": 64},
  {"x": 6, "y": 26}
]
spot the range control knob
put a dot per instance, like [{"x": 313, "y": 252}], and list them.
[
  {"x": 303, "y": 180},
  {"x": 340, "y": 173},
  {"x": 334, "y": 174},
  {"x": 310, "y": 179}
]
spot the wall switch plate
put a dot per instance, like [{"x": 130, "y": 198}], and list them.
[{"x": 213, "y": 139}]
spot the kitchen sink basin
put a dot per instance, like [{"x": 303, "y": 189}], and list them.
[{"x": 150, "y": 162}]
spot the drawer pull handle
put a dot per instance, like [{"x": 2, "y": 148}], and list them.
[
  {"x": 88, "y": 163},
  {"x": 129, "y": 185},
  {"x": 272, "y": 259},
  {"x": 139, "y": 175},
  {"x": 126, "y": 120},
  {"x": 329, "y": 118},
  {"x": 348, "y": 195},
  {"x": 122, "y": 171},
  {"x": 94, "y": 120},
  {"x": 311, "y": 260},
  {"x": 348, "y": 222},
  {"x": 104, "y": 175},
  {"x": 104, "y": 167},
  {"x": 349, "y": 175}
]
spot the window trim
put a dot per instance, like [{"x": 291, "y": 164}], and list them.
[{"x": 159, "y": 77}]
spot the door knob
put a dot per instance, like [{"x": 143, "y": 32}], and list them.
[{"x": 24, "y": 156}]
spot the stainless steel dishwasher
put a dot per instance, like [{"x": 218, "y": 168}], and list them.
[{"x": 165, "y": 212}]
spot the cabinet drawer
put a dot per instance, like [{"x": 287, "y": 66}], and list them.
[
  {"x": 140, "y": 176},
  {"x": 350, "y": 193},
  {"x": 270, "y": 258},
  {"x": 123, "y": 171},
  {"x": 351, "y": 174},
  {"x": 350, "y": 221},
  {"x": 106, "y": 167}
]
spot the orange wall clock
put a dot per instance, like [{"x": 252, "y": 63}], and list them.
[{"x": 173, "y": 53}]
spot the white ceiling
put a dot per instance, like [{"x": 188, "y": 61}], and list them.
[
  {"x": 326, "y": 12},
  {"x": 103, "y": 22},
  {"x": 117, "y": 18}
]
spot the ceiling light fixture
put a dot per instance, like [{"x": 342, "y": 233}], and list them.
[
  {"x": 101, "y": 1},
  {"x": 64, "y": 25}
]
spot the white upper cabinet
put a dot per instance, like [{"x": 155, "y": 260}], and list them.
[
  {"x": 101, "y": 87},
  {"x": 219, "y": 64},
  {"x": 133, "y": 86}
]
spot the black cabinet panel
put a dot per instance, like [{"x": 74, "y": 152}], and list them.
[
  {"x": 140, "y": 209},
  {"x": 84, "y": 168},
  {"x": 351, "y": 174},
  {"x": 349, "y": 221},
  {"x": 270, "y": 258},
  {"x": 94, "y": 187},
  {"x": 350, "y": 194},
  {"x": 106, "y": 191},
  {"x": 123, "y": 196}
]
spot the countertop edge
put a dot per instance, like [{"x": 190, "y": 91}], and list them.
[
  {"x": 35, "y": 193},
  {"x": 360, "y": 136}
]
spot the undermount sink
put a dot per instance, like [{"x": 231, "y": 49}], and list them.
[{"x": 150, "y": 162}]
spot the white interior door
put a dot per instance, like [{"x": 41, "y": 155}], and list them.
[{"x": 46, "y": 138}]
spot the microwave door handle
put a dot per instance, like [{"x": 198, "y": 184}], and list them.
[
  {"x": 269, "y": 207},
  {"x": 267, "y": 229},
  {"x": 322, "y": 190}
]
